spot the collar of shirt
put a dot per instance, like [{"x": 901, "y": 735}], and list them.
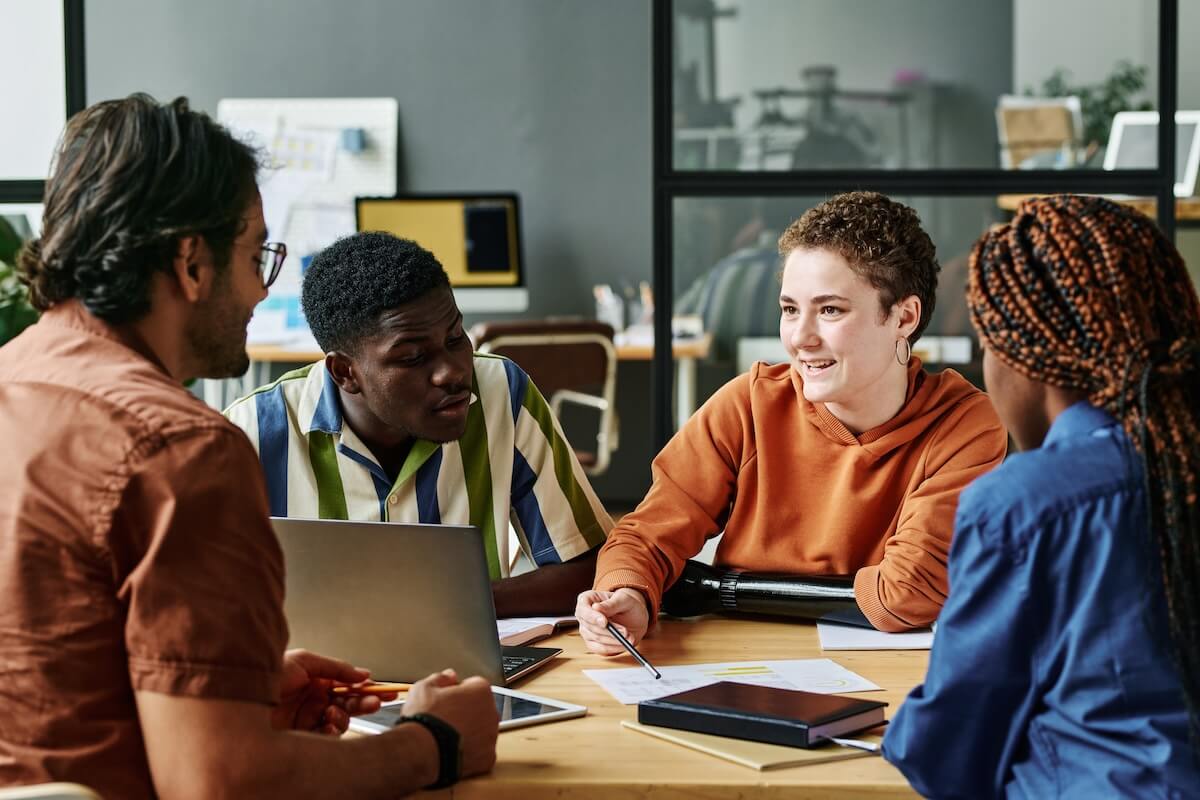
[
  {"x": 74, "y": 314},
  {"x": 1081, "y": 419},
  {"x": 321, "y": 394}
]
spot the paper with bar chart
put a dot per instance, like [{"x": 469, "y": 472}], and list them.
[{"x": 820, "y": 675}]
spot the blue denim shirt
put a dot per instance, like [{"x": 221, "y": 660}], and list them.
[{"x": 1045, "y": 679}]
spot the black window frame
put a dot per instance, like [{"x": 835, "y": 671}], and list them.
[{"x": 671, "y": 184}]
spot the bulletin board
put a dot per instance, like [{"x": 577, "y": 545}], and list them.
[{"x": 320, "y": 154}]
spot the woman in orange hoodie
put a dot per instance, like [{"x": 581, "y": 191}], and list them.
[{"x": 846, "y": 460}]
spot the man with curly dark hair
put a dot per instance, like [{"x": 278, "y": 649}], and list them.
[
  {"x": 141, "y": 586},
  {"x": 847, "y": 460},
  {"x": 402, "y": 422}
]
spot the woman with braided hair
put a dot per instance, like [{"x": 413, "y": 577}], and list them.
[{"x": 1067, "y": 659}]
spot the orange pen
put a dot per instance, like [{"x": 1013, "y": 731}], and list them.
[{"x": 373, "y": 688}]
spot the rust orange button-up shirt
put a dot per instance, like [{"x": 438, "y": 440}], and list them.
[{"x": 135, "y": 555}]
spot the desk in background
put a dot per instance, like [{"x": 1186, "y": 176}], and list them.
[
  {"x": 1187, "y": 209},
  {"x": 219, "y": 394},
  {"x": 685, "y": 352},
  {"x": 595, "y": 757}
]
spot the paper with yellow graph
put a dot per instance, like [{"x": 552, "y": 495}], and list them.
[{"x": 820, "y": 675}]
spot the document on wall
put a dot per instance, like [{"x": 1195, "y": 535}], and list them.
[
  {"x": 820, "y": 675},
  {"x": 846, "y": 637}
]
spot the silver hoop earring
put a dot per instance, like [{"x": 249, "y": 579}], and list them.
[{"x": 907, "y": 352}]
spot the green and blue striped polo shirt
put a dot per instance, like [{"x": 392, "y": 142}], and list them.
[{"x": 512, "y": 464}]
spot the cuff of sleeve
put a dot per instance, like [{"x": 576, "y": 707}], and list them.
[
  {"x": 866, "y": 593},
  {"x": 628, "y": 579},
  {"x": 204, "y": 681}
]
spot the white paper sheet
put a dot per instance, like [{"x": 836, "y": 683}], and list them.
[
  {"x": 820, "y": 675},
  {"x": 847, "y": 637}
]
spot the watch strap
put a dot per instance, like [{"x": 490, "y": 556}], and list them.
[{"x": 449, "y": 745}]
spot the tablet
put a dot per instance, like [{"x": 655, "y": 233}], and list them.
[{"x": 516, "y": 709}]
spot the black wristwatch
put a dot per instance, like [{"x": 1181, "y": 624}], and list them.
[{"x": 449, "y": 745}]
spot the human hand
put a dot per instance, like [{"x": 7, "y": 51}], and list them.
[
  {"x": 625, "y": 608},
  {"x": 467, "y": 707},
  {"x": 305, "y": 701}
]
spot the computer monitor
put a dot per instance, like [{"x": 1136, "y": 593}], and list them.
[
  {"x": 1133, "y": 144},
  {"x": 477, "y": 237}
]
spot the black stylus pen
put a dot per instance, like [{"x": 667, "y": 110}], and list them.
[{"x": 633, "y": 651}]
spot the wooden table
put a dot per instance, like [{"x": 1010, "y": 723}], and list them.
[
  {"x": 594, "y": 757},
  {"x": 1187, "y": 209}
]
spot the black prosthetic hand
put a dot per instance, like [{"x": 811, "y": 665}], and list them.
[{"x": 702, "y": 589}]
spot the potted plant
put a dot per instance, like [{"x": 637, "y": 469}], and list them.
[
  {"x": 1099, "y": 101},
  {"x": 15, "y": 312}
]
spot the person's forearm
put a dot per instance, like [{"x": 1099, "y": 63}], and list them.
[
  {"x": 304, "y": 765},
  {"x": 549, "y": 590}
]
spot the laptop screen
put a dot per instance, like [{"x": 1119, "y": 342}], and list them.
[{"x": 1136, "y": 147}]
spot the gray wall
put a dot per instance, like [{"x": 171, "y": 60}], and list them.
[
  {"x": 1087, "y": 37},
  {"x": 545, "y": 97},
  {"x": 769, "y": 42},
  {"x": 548, "y": 98}
]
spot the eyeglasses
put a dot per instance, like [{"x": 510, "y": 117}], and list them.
[{"x": 273, "y": 253}]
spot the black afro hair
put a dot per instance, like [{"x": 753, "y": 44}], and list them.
[{"x": 352, "y": 282}]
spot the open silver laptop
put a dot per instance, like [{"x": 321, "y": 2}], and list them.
[{"x": 402, "y": 600}]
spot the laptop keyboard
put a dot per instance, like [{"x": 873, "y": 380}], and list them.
[{"x": 514, "y": 664}]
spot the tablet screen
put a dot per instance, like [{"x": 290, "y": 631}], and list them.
[
  {"x": 520, "y": 707},
  {"x": 511, "y": 708}
]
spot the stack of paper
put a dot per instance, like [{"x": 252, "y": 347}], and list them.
[{"x": 848, "y": 637}]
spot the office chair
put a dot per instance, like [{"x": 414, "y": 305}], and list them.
[
  {"x": 49, "y": 791},
  {"x": 1039, "y": 131},
  {"x": 570, "y": 361}
]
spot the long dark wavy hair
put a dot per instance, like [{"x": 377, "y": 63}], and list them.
[
  {"x": 130, "y": 178},
  {"x": 1086, "y": 294}
]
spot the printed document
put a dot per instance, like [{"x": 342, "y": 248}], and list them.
[{"x": 820, "y": 675}]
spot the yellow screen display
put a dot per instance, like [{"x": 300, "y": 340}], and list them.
[{"x": 474, "y": 238}]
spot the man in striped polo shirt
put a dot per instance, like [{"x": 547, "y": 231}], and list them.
[{"x": 403, "y": 422}]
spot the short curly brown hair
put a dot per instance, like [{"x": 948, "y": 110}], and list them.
[{"x": 883, "y": 242}]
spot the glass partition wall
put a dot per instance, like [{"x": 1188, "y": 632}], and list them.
[{"x": 763, "y": 108}]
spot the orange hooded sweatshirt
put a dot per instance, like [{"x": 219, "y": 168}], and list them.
[{"x": 796, "y": 492}]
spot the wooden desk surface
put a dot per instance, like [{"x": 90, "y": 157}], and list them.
[
  {"x": 682, "y": 348},
  {"x": 273, "y": 353},
  {"x": 696, "y": 347},
  {"x": 594, "y": 757},
  {"x": 1186, "y": 208}
]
